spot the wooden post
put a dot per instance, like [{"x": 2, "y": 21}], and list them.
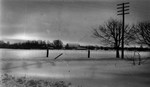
[
  {"x": 88, "y": 53},
  {"x": 139, "y": 60},
  {"x": 47, "y": 52},
  {"x": 58, "y": 56}
]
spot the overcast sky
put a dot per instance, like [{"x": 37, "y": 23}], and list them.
[{"x": 68, "y": 20}]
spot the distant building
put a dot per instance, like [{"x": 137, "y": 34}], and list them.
[{"x": 72, "y": 46}]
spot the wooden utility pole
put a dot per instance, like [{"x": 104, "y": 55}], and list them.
[
  {"x": 123, "y": 8},
  {"x": 47, "y": 54}
]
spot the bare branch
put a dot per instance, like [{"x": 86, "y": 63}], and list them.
[
  {"x": 143, "y": 33},
  {"x": 111, "y": 32}
]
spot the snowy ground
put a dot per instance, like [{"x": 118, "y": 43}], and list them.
[{"x": 79, "y": 70}]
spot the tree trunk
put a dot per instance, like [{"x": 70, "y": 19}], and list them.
[{"x": 117, "y": 52}]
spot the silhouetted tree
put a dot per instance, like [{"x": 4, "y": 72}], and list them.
[
  {"x": 2, "y": 43},
  {"x": 143, "y": 32},
  {"x": 67, "y": 46},
  {"x": 111, "y": 33},
  {"x": 58, "y": 44}
]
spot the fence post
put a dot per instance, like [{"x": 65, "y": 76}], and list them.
[
  {"x": 139, "y": 59},
  {"x": 88, "y": 53},
  {"x": 47, "y": 52}
]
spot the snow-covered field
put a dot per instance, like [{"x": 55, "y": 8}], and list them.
[
  {"x": 101, "y": 70},
  {"x": 71, "y": 54}
]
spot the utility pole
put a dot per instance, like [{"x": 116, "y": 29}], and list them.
[{"x": 123, "y": 8}]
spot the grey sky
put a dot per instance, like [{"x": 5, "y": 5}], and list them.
[{"x": 68, "y": 20}]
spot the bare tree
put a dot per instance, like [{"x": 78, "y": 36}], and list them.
[
  {"x": 143, "y": 32},
  {"x": 110, "y": 34},
  {"x": 58, "y": 44}
]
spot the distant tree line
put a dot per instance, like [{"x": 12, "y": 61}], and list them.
[
  {"x": 33, "y": 44},
  {"x": 25, "y": 45},
  {"x": 58, "y": 44}
]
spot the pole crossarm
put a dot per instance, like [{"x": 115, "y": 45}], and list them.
[
  {"x": 122, "y": 10},
  {"x": 126, "y": 3},
  {"x": 123, "y": 14},
  {"x": 119, "y": 4},
  {"x": 123, "y": 7},
  {"x": 123, "y": 3}
]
